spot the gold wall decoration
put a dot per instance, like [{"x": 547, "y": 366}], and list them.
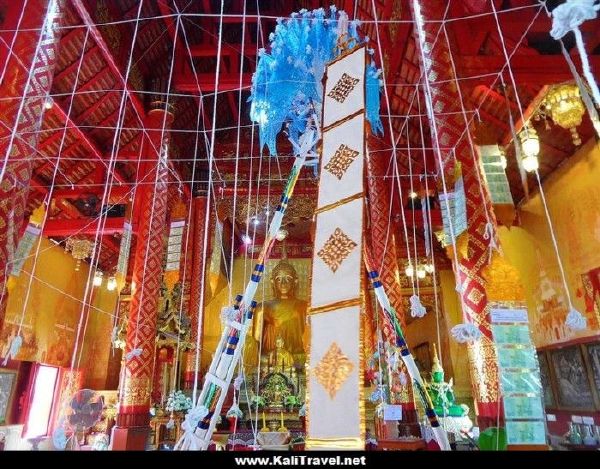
[
  {"x": 80, "y": 249},
  {"x": 336, "y": 249},
  {"x": 333, "y": 370},
  {"x": 298, "y": 207},
  {"x": 341, "y": 161},
  {"x": 343, "y": 88}
]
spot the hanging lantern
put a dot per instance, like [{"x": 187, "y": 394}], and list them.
[
  {"x": 563, "y": 104},
  {"x": 97, "y": 278},
  {"x": 111, "y": 284},
  {"x": 80, "y": 249},
  {"x": 530, "y": 143}
]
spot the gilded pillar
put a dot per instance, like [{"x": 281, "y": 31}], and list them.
[
  {"x": 151, "y": 204},
  {"x": 24, "y": 89},
  {"x": 450, "y": 125},
  {"x": 197, "y": 283}
]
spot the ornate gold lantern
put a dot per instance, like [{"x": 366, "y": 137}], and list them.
[
  {"x": 564, "y": 106},
  {"x": 80, "y": 249}
]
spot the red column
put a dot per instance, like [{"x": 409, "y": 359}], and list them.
[
  {"x": 383, "y": 251},
  {"x": 132, "y": 427},
  {"x": 198, "y": 282},
  {"x": 26, "y": 92},
  {"x": 450, "y": 127}
]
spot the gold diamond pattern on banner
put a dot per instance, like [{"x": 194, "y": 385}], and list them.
[
  {"x": 341, "y": 161},
  {"x": 333, "y": 370},
  {"x": 343, "y": 88},
  {"x": 336, "y": 249}
]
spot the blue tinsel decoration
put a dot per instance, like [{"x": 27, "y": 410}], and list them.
[{"x": 288, "y": 79}]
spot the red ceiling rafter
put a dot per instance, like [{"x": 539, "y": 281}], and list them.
[
  {"x": 227, "y": 82},
  {"x": 83, "y": 226},
  {"x": 72, "y": 126}
]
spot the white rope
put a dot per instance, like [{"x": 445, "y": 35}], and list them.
[
  {"x": 490, "y": 233},
  {"x": 419, "y": 24},
  {"x": 45, "y": 32},
  {"x": 574, "y": 319},
  {"x": 49, "y": 197},
  {"x": 238, "y": 16},
  {"x": 12, "y": 42},
  {"x": 207, "y": 214},
  {"x": 394, "y": 153},
  {"x": 428, "y": 233}
]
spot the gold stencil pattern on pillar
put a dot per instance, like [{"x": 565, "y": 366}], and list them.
[
  {"x": 333, "y": 370},
  {"x": 137, "y": 390},
  {"x": 336, "y": 249},
  {"x": 343, "y": 88},
  {"x": 340, "y": 162}
]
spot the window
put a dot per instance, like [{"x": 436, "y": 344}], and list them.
[{"x": 41, "y": 404}]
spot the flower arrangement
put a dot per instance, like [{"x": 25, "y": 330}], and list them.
[
  {"x": 292, "y": 401},
  {"x": 177, "y": 401},
  {"x": 258, "y": 402}
]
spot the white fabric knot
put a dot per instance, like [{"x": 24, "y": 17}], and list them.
[
  {"x": 170, "y": 424},
  {"x": 228, "y": 314},
  {"x": 417, "y": 310},
  {"x": 571, "y": 14},
  {"x": 136, "y": 352},
  {"x": 15, "y": 346},
  {"x": 237, "y": 382},
  {"x": 465, "y": 332},
  {"x": 193, "y": 417},
  {"x": 489, "y": 236},
  {"x": 575, "y": 320},
  {"x": 403, "y": 378}
]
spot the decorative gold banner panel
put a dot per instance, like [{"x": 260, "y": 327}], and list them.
[
  {"x": 334, "y": 393},
  {"x": 343, "y": 159},
  {"x": 345, "y": 87},
  {"x": 334, "y": 408},
  {"x": 337, "y": 258}
]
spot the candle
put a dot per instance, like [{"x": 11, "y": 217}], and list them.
[
  {"x": 282, "y": 419},
  {"x": 264, "y": 420}
]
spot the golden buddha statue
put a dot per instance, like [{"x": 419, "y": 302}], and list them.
[
  {"x": 281, "y": 318},
  {"x": 280, "y": 359}
]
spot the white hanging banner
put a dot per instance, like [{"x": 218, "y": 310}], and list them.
[
  {"x": 24, "y": 248},
  {"x": 344, "y": 87},
  {"x": 335, "y": 411}
]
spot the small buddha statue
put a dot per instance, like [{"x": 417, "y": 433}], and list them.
[
  {"x": 280, "y": 359},
  {"x": 441, "y": 393}
]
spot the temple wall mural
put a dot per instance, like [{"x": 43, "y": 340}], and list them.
[
  {"x": 528, "y": 247},
  {"x": 52, "y": 313}
]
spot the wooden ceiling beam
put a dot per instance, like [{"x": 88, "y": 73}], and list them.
[{"x": 136, "y": 102}]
